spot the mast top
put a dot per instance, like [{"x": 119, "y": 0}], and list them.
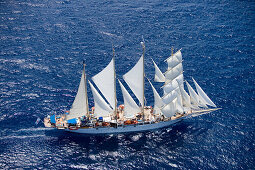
[
  {"x": 113, "y": 50},
  {"x": 143, "y": 45}
]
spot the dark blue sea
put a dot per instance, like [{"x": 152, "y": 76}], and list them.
[{"x": 43, "y": 44}]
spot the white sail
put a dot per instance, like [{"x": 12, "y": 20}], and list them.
[
  {"x": 102, "y": 109},
  {"x": 186, "y": 98},
  {"x": 177, "y": 55},
  {"x": 170, "y": 109},
  {"x": 194, "y": 98},
  {"x": 159, "y": 77},
  {"x": 180, "y": 80},
  {"x": 79, "y": 106},
  {"x": 174, "y": 72},
  {"x": 179, "y": 103},
  {"x": 168, "y": 98},
  {"x": 158, "y": 103},
  {"x": 203, "y": 95},
  {"x": 135, "y": 79},
  {"x": 130, "y": 107},
  {"x": 172, "y": 62},
  {"x": 170, "y": 86},
  {"x": 175, "y": 68},
  {"x": 105, "y": 82}
]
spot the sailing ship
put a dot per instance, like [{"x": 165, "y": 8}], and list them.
[{"x": 106, "y": 117}]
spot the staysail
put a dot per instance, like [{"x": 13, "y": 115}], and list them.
[
  {"x": 135, "y": 78},
  {"x": 186, "y": 99},
  {"x": 105, "y": 82},
  {"x": 203, "y": 95},
  {"x": 80, "y": 105},
  {"x": 194, "y": 98},
  {"x": 131, "y": 108},
  {"x": 159, "y": 77},
  {"x": 158, "y": 103},
  {"x": 102, "y": 109}
]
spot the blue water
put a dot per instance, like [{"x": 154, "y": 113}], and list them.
[{"x": 43, "y": 43}]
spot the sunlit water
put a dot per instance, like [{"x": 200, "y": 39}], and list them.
[{"x": 43, "y": 43}]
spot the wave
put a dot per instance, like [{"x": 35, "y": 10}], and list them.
[
  {"x": 33, "y": 129},
  {"x": 21, "y": 137}
]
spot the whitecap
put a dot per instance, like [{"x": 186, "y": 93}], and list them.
[
  {"x": 33, "y": 129},
  {"x": 82, "y": 166},
  {"x": 30, "y": 95},
  {"x": 21, "y": 137},
  {"x": 136, "y": 137}
]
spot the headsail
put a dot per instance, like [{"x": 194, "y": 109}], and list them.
[
  {"x": 131, "y": 108},
  {"x": 159, "y": 77},
  {"x": 80, "y": 104},
  {"x": 102, "y": 109},
  {"x": 194, "y": 98},
  {"x": 105, "y": 82},
  {"x": 203, "y": 95}
]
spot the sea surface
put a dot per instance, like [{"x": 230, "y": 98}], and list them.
[{"x": 43, "y": 44}]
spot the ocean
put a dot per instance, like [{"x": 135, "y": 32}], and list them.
[{"x": 43, "y": 44}]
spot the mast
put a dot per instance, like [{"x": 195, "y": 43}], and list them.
[
  {"x": 115, "y": 95},
  {"x": 143, "y": 78},
  {"x": 85, "y": 84}
]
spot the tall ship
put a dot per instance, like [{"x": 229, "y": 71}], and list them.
[{"x": 107, "y": 117}]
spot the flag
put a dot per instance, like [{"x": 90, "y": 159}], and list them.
[{"x": 37, "y": 121}]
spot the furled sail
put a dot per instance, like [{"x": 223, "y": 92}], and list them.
[
  {"x": 203, "y": 95},
  {"x": 159, "y": 77},
  {"x": 135, "y": 79},
  {"x": 194, "y": 98},
  {"x": 79, "y": 106},
  {"x": 105, "y": 82},
  {"x": 158, "y": 103},
  {"x": 131, "y": 108},
  {"x": 102, "y": 109}
]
